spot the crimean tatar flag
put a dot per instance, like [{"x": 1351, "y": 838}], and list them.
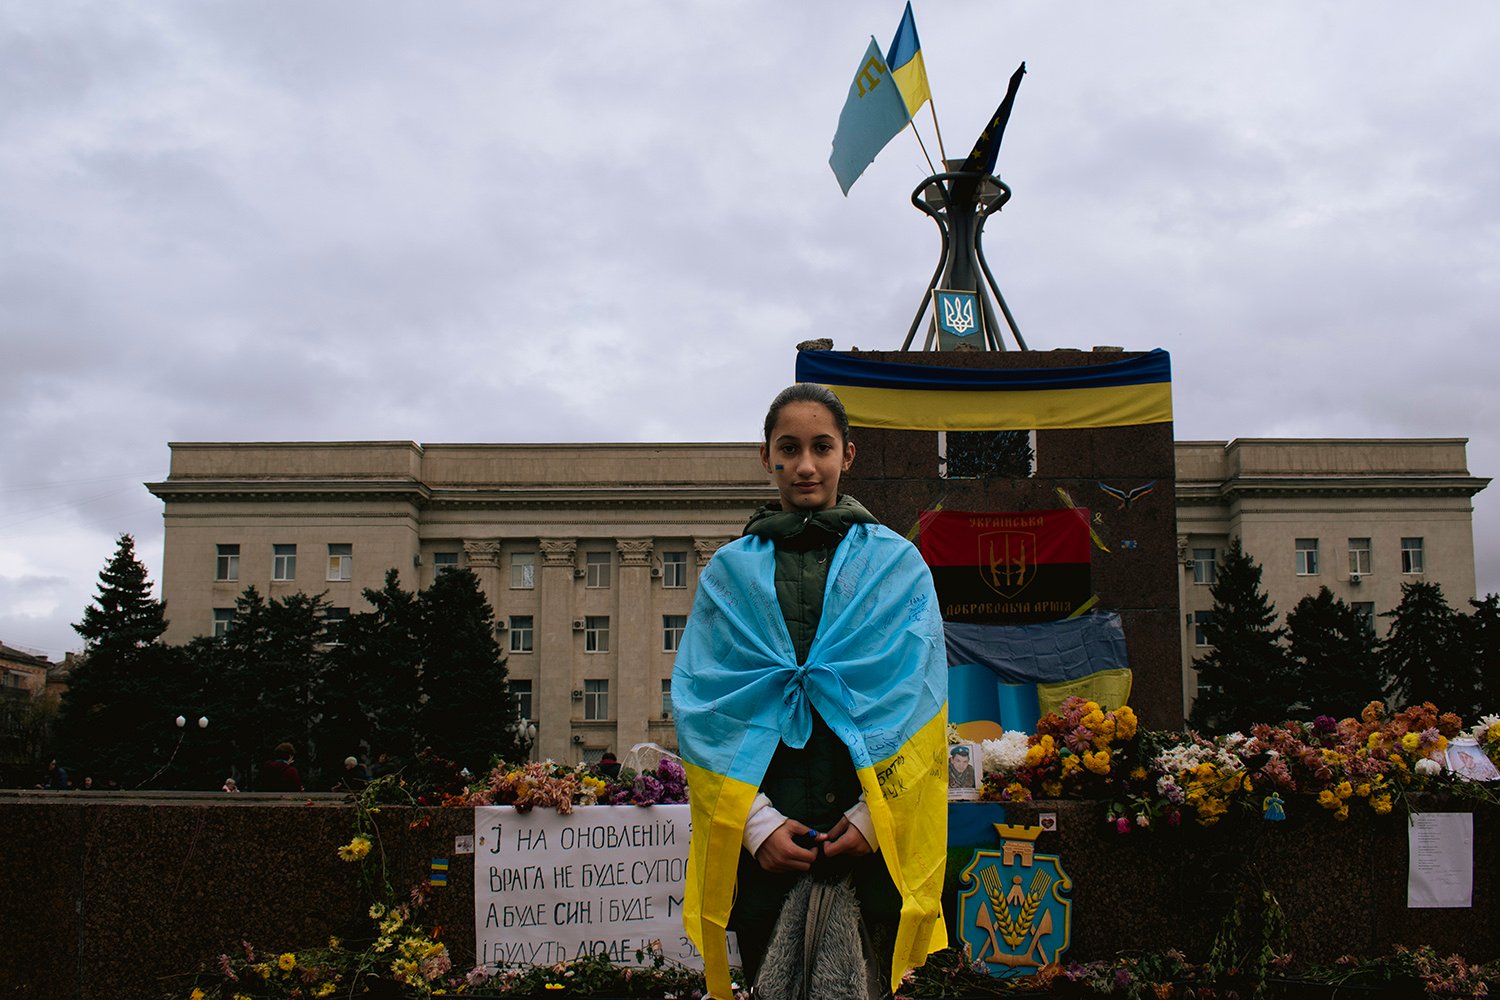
[
  {"x": 938, "y": 398},
  {"x": 906, "y": 65},
  {"x": 874, "y": 114}
]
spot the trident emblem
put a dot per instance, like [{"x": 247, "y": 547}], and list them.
[{"x": 958, "y": 315}]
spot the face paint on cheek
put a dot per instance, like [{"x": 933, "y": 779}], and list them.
[{"x": 779, "y": 468}]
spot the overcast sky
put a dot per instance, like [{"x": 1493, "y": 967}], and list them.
[{"x": 613, "y": 221}]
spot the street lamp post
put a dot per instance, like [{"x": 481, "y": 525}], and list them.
[
  {"x": 526, "y": 735},
  {"x": 181, "y": 724}
]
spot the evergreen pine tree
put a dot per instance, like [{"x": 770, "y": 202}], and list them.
[
  {"x": 1332, "y": 652},
  {"x": 371, "y": 687},
  {"x": 1423, "y": 658},
  {"x": 270, "y": 667},
  {"x": 114, "y": 717},
  {"x": 1244, "y": 678},
  {"x": 469, "y": 714},
  {"x": 1481, "y": 644}
]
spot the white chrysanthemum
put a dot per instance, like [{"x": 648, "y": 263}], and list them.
[
  {"x": 1427, "y": 767},
  {"x": 1482, "y": 727},
  {"x": 1005, "y": 754}
]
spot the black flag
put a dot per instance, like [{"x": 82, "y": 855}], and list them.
[{"x": 987, "y": 148}]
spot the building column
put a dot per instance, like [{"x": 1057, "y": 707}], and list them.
[
  {"x": 483, "y": 557},
  {"x": 637, "y": 648},
  {"x": 554, "y": 651}
]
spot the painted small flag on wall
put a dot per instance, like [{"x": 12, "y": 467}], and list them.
[{"x": 439, "y": 876}]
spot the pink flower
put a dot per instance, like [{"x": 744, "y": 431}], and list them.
[{"x": 1122, "y": 825}]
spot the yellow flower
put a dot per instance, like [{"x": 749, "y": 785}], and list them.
[
  {"x": 377, "y": 910},
  {"x": 553, "y": 986},
  {"x": 1125, "y": 722},
  {"x": 383, "y": 944},
  {"x": 286, "y": 962},
  {"x": 197, "y": 994},
  {"x": 261, "y": 969},
  {"x": 1381, "y": 804},
  {"x": 1138, "y": 774},
  {"x": 1342, "y": 813},
  {"x": 325, "y": 990},
  {"x": 1363, "y": 790},
  {"x": 592, "y": 786},
  {"x": 1410, "y": 741},
  {"x": 1052, "y": 789},
  {"x": 1343, "y": 789},
  {"x": 1441, "y": 743},
  {"x": 355, "y": 849},
  {"x": 1327, "y": 799},
  {"x": 1098, "y": 761},
  {"x": 1070, "y": 766},
  {"x": 1017, "y": 792}
]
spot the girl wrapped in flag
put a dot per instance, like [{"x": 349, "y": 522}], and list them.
[{"x": 811, "y": 695}]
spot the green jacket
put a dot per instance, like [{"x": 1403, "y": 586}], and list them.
[{"x": 815, "y": 784}]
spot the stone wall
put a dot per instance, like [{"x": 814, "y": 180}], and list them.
[{"x": 121, "y": 897}]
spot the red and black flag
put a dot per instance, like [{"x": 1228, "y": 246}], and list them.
[{"x": 1007, "y": 568}]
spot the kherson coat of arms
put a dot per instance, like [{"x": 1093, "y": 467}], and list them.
[{"x": 1012, "y": 912}]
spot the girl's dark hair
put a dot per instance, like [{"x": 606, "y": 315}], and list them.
[{"x": 808, "y": 392}]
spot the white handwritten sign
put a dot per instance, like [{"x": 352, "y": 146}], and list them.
[{"x": 600, "y": 880}]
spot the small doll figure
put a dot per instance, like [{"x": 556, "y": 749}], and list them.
[{"x": 1272, "y": 807}]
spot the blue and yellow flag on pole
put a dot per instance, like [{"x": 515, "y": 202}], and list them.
[
  {"x": 874, "y": 114},
  {"x": 905, "y": 62}
]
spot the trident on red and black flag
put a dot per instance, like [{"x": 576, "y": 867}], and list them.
[{"x": 960, "y": 201}]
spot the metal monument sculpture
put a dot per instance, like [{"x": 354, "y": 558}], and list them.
[{"x": 960, "y": 202}]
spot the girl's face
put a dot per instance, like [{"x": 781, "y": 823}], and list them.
[{"x": 806, "y": 457}]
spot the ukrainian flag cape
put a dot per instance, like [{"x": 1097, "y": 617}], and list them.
[{"x": 876, "y": 672}]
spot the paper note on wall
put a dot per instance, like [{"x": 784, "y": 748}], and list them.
[{"x": 1440, "y": 860}]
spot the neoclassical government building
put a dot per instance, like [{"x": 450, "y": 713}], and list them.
[{"x": 590, "y": 553}]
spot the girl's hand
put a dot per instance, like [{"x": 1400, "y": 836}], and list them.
[
  {"x": 844, "y": 838},
  {"x": 778, "y": 853}
]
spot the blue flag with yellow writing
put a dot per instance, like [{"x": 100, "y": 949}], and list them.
[{"x": 874, "y": 114}]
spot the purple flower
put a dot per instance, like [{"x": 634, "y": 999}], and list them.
[
  {"x": 671, "y": 772},
  {"x": 1122, "y": 978},
  {"x": 1325, "y": 724},
  {"x": 647, "y": 790}
]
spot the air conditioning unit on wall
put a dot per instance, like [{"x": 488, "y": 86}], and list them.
[{"x": 577, "y": 624}]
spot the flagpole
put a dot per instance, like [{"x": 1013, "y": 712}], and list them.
[
  {"x": 932, "y": 106},
  {"x": 925, "y": 155}
]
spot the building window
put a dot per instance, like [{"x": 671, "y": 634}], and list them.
[
  {"x": 1366, "y": 612},
  {"x": 1204, "y": 565},
  {"x": 223, "y": 620},
  {"x": 521, "y": 633},
  {"x": 671, "y": 632},
  {"x": 597, "y": 570},
  {"x": 283, "y": 562},
  {"x": 674, "y": 569},
  {"x": 666, "y": 698},
  {"x": 1202, "y": 618},
  {"x": 1359, "y": 556},
  {"x": 443, "y": 561},
  {"x": 1307, "y": 557},
  {"x": 596, "y": 699},
  {"x": 521, "y": 691},
  {"x": 334, "y": 620},
  {"x": 227, "y": 565},
  {"x": 523, "y": 571},
  {"x": 596, "y": 634},
  {"x": 1411, "y": 555},
  {"x": 340, "y": 562}
]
